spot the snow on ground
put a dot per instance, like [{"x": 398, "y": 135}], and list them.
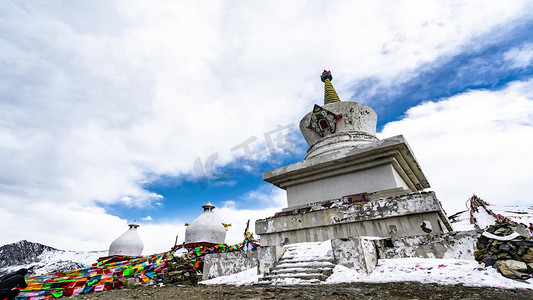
[
  {"x": 249, "y": 276},
  {"x": 425, "y": 270}
]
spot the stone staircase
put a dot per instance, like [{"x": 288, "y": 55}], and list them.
[{"x": 304, "y": 263}]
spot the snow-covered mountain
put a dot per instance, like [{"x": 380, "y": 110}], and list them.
[{"x": 40, "y": 259}]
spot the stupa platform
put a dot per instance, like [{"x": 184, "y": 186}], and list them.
[
  {"x": 391, "y": 217},
  {"x": 385, "y": 165}
]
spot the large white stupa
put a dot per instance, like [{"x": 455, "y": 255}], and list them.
[
  {"x": 206, "y": 228},
  {"x": 350, "y": 183},
  {"x": 128, "y": 244}
]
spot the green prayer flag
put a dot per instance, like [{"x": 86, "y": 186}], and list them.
[{"x": 57, "y": 294}]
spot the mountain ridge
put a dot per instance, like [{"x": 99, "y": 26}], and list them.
[{"x": 42, "y": 259}]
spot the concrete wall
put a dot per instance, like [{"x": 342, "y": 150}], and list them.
[
  {"x": 457, "y": 244},
  {"x": 221, "y": 264},
  {"x": 394, "y": 217},
  {"x": 355, "y": 253},
  {"x": 370, "y": 180}
]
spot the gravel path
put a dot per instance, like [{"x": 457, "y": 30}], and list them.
[{"x": 382, "y": 291}]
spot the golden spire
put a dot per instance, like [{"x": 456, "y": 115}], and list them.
[{"x": 330, "y": 95}]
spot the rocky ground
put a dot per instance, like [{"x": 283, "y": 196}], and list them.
[{"x": 382, "y": 291}]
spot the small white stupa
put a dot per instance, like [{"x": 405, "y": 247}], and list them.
[
  {"x": 206, "y": 228},
  {"x": 128, "y": 244}
]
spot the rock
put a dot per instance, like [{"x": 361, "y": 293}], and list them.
[
  {"x": 522, "y": 250},
  {"x": 523, "y": 231},
  {"x": 489, "y": 261},
  {"x": 508, "y": 272},
  {"x": 530, "y": 268},
  {"x": 528, "y": 257},
  {"x": 505, "y": 247},
  {"x": 130, "y": 283},
  {"x": 481, "y": 246},
  {"x": 181, "y": 271},
  {"x": 503, "y": 255},
  {"x": 503, "y": 231},
  {"x": 480, "y": 254},
  {"x": 524, "y": 243},
  {"x": 514, "y": 265},
  {"x": 513, "y": 258}
]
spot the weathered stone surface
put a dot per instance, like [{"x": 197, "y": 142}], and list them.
[
  {"x": 503, "y": 255},
  {"x": 355, "y": 253},
  {"x": 528, "y": 257},
  {"x": 523, "y": 231},
  {"x": 506, "y": 272},
  {"x": 503, "y": 231},
  {"x": 530, "y": 268},
  {"x": 480, "y": 254},
  {"x": 490, "y": 261},
  {"x": 457, "y": 245},
  {"x": 522, "y": 250},
  {"x": 374, "y": 218},
  {"x": 220, "y": 264},
  {"x": 515, "y": 265},
  {"x": 512, "y": 269}
]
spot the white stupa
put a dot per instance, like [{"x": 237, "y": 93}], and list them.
[
  {"x": 128, "y": 244},
  {"x": 206, "y": 228},
  {"x": 346, "y": 164}
]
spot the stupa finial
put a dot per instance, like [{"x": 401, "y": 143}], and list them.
[
  {"x": 330, "y": 95},
  {"x": 208, "y": 206},
  {"x": 133, "y": 224}
]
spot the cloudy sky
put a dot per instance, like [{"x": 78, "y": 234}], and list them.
[{"x": 113, "y": 111}]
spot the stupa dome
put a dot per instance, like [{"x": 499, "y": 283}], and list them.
[
  {"x": 337, "y": 125},
  {"x": 128, "y": 244},
  {"x": 206, "y": 228}
]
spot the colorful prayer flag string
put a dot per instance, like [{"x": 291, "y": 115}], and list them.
[{"x": 475, "y": 203}]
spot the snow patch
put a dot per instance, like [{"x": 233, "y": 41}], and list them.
[{"x": 246, "y": 277}]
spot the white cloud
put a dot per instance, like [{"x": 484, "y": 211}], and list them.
[
  {"x": 90, "y": 115},
  {"x": 477, "y": 142},
  {"x": 160, "y": 237},
  {"x": 147, "y": 218},
  {"x": 520, "y": 57},
  {"x": 237, "y": 215},
  {"x": 68, "y": 226}
]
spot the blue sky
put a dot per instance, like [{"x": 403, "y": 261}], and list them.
[{"x": 112, "y": 111}]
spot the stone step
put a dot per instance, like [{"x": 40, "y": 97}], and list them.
[
  {"x": 304, "y": 276},
  {"x": 300, "y": 263},
  {"x": 295, "y": 258},
  {"x": 327, "y": 271},
  {"x": 288, "y": 256},
  {"x": 295, "y": 281}
]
